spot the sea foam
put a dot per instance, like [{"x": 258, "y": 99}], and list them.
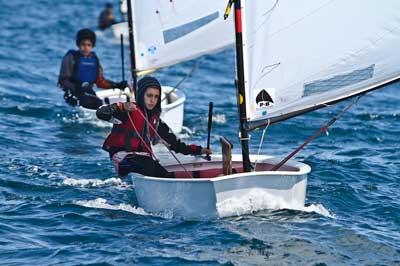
[
  {"x": 262, "y": 201},
  {"x": 101, "y": 203}
]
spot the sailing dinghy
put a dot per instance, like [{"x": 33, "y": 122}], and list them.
[
  {"x": 292, "y": 57},
  {"x": 121, "y": 28}
]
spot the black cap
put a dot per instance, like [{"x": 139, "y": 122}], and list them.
[
  {"x": 109, "y": 5},
  {"x": 85, "y": 34}
]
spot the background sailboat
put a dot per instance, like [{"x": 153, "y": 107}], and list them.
[{"x": 291, "y": 58}]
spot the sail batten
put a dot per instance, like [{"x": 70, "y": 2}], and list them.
[
  {"x": 305, "y": 54},
  {"x": 170, "y": 32}
]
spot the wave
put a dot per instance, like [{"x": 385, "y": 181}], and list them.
[
  {"x": 318, "y": 208},
  {"x": 84, "y": 116},
  {"x": 219, "y": 119},
  {"x": 113, "y": 181}
]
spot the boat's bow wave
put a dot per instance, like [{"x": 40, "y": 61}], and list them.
[{"x": 259, "y": 200}]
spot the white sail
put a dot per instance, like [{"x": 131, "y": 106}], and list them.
[
  {"x": 169, "y": 32},
  {"x": 301, "y": 55}
]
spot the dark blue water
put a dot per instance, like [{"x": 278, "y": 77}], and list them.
[{"x": 52, "y": 166}]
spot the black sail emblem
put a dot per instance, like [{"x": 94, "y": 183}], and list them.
[{"x": 263, "y": 99}]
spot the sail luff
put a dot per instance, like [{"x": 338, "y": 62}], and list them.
[{"x": 241, "y": 91}]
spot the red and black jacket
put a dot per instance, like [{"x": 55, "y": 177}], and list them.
[{"x": 123, "y": 136}]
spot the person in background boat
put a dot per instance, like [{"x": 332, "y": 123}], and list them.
[
  {"x": 80, "y": 70},
  {"x": 106, "y": 18},
  {"x": 129, "y": 143}
]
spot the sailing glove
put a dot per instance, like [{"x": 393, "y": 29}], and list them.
[{"x": 70, "y": 98}]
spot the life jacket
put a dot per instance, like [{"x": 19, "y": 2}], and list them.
[
  {"x": 86, "y": 69},
  {"x": 123, "y": 136}
]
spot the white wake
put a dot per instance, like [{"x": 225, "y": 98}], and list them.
[
  {"x": 113, "y": 181},
  {"x": 262, "y": 201},
  {"x": 101, "y": 203}
]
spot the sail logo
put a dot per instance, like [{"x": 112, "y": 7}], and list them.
[
  {"x": 152, "y": 49},
  {"x": 264, "y": 102}
]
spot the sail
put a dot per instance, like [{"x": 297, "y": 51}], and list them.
[
  {"x": 169, "y": 32},
  {"x": 302, "y": 55}
]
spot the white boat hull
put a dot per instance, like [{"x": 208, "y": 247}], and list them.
[
  {"x": 172, "y": 112},
  {"x": 222, "y": 196},
  {"x": 120, "y": 28}
]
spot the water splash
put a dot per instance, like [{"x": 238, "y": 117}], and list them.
[
  {"x": 219, "y": 119},
  {"x": 318, "y": 208},
  {"x": 262, "y": 201},
  {"x": 101, "y": 203},
  {"x": 85, "y": 116},
  {"x": 113, "y": 181}
]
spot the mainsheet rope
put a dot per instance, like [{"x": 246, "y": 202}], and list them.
[{"x": 161, "y": 140}]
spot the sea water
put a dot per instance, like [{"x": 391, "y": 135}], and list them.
[{"x": 61, "y": 204}]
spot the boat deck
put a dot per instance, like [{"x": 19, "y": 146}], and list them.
[{"x": 214, "y": 169}]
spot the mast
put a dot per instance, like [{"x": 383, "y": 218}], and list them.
[
  {"x": 240, "y": 86},
  {"x": 132, "y": 47}
]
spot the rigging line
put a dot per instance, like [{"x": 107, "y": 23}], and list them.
[
  {"x": 322, "y": 129},
  {"x": 271, "y": 67},
  {"x": 272, "y": 8},
  {"x": 312, "y": 12},
  {"x": 141, "y": 138},
  {"x": 293, "y": 23},
  {"x": 189, "y": 74},
  {"x": 268, "y": 12},
  {"x": 165, "y": 144},
  {"x": 261, "y": 143}
]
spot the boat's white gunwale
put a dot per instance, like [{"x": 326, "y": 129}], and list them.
[{"x": 303, "y": 170}]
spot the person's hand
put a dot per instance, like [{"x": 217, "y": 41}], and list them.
[
  {"x": 130, "y": 106},
  {"x": 206, "y": 151},
  {"x": 122, "y": 85},
  {"x": 70, "y": 98}
]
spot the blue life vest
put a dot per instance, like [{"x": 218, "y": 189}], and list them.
[{"x": 86, "y": 69}]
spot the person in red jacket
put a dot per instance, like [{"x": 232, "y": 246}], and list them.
[{"x": 129, "y": 143}]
